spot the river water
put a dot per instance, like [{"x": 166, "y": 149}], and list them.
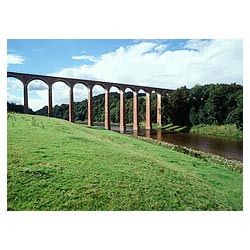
[{"x": 228, "y": 148}]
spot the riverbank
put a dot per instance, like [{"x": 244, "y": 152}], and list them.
[
  {"x": 228, "y": 130},
  {"x": 57, "y": 165},
  {"x": 212, "y": 158}
]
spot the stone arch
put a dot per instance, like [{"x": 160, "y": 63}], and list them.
[
  {"x": 115, "y": 104},
  {"x": 60, "y": 80},
  {"x": 80, "y": 92},
  {"x": 51, "y": 80},
  {"x": 155, "y": 100},
  {"x": 131, "y": 112},
  {"x": 61, "y": 97},
  {"x": 37, "y": 92},
  {"x": 147, "y": 91},
  {"x": 37, "y": 78},
  {"x": 98, "y": 89},
  {"x": 18, "y": 77},
  {"x": 15, "y": 92}
]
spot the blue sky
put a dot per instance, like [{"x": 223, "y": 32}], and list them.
[
  {"x": 43, "y": 56},
  {"x": 162, "y": 63}
]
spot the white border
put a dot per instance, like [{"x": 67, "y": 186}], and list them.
[{"x": 124, "y": 19}]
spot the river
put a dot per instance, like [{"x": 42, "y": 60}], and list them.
[{"x": 228, "y": 148}]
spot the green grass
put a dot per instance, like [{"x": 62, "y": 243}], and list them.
[
  {"x": 228, "y": 130},
  {"x": 57, "y": 165},
  {"x": 175, "y": 128}
]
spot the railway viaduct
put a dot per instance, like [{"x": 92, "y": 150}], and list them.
[{"x": 70, "y": 82}]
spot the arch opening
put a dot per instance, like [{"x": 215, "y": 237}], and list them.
[
  {"x": 15, "y": 97},
  {"x": 129, "y": 106},
  {"x": 38, "y": 96},
  {"x": 114, "y": 95},
  {"x": 80, "y": 92},
  {"x": 144, "y": 103},
  {"x": 61, "y": 100},
  {"x": 98, "y": 105}
]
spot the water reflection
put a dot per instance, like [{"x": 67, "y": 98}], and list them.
[
  {"x": 159, "y": 135},
  {"x": 229, "y": 148}
]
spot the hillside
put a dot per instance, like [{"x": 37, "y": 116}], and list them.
[{"x": 57, "y": 165}]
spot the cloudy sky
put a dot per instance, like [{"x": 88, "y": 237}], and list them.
[{"x": 161, "y": 63}]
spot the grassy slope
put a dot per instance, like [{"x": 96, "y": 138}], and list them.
[{"x": 56, "y": 165}]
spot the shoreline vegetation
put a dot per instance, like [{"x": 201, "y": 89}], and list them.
[
  {"x": 227, "y": 130},
  {"x": 57, "y": 165},
  {"x": 207, "y": 157},
  {"x": 200, "y": 107}
]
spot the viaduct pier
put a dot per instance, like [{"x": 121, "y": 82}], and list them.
[{"x": 71, "y": 82}]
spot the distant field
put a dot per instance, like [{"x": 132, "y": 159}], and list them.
[
  {"x": 228, "y": 130},
  {"x": 57, "y": 165}
]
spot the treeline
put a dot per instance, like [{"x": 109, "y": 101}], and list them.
[
  {"x": 212, "y": 104},
  {"x": 202, "y": 104},
  {"x": 18, "y": 108},
  {"x": 81, "y": 108}
]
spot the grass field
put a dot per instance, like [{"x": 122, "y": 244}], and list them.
[
  {"x": 228, "y": 130},
  {"x": 57, "y": 165}
]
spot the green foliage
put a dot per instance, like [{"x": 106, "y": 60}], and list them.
[
  {"x": 56, "y": 165},
  {"x": 227, "y": 130},
  {"x": 236, "y": 113},
  {"x": 216, "y": 104},
  {"x": 179, "y": 106},
  {"x": 12, "y": 107},
  {"x": 81, "y": 108},
  {"x": 212, "y": 104}
]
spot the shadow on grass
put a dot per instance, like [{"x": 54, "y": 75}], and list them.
[{"x": 177, "y": 128}]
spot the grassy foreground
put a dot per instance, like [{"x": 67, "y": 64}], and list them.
[{"x": 57, "y": 165}]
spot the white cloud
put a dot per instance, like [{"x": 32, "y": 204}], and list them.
[
  {"x": 38, "y": 99},
  {"x": 60, "y": 93},
  {"x": 161, "y": 47},
  {"x": 37, "y": 85},
  {"x": 84, "y": 57},
  {"x": 14, "y": 84},
  {"x": 11, "y": 98},
  {"x": 152, "y": 64},
  {"x": 80, "y": 92},
  {"x": 15, "y": 59},
  {"x": 200, "y": 61},
  {"x": 197, "y": 44}
]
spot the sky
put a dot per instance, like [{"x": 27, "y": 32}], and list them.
[{"x": 168, "y": 63}]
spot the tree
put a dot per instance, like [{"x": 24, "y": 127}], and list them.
[{"x": 179, "y": 106}]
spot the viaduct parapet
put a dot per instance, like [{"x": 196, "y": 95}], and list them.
[{"x": 71, "y": 82}]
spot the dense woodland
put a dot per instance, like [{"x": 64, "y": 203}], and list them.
[{"x": 202, "y": 104}]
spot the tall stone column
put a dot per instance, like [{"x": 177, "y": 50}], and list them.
[
  {"x": 71, "y": 104},
  {"x": 148, "y": 111},
  {"x": 90, "y": 107},
  {"x": 107, "y": 110},
  {"x": 25, "y": 99},
  {"x": 135, "y": 111},
  {"x": 159, "y": 110},
  {"x": 122, "y": 111},
  {"x": 50, "y": 109}
]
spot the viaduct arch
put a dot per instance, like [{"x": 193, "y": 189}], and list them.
[{"x": 50, "y": 80}]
